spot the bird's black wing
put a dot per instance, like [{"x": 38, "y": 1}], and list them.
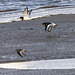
[
  {"x": 19, "y": 54},
  {"x": 29, "y": 12}
]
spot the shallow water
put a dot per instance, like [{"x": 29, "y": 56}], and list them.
[{"x": 10, "y": 10}]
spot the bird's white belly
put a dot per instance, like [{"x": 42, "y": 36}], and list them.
[
  {"x": 27, "y": 18},
  {"x": 48, "y": 26}
]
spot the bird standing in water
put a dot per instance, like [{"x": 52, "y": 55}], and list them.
[
  {"x": 21, "y": 52},
  {"x": 48, "y": 26},
  {"x": 26, "y": 14}
]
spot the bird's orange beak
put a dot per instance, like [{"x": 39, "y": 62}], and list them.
[
  {"x": 19, "y": 18},
  {"x": 41, "y": 24}
]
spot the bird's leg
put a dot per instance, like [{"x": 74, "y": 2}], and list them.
[{"x": 20, "y": 54}]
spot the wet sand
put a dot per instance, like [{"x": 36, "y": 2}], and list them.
[
  {"x": 41, "y": 45},
  {"x": 36, "y": 72}
]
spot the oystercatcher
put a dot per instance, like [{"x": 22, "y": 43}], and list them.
[
  {"x": 26, "y": 14},
  {"x": 21, "y": 52},
  {"x": 48, "y": 26}
]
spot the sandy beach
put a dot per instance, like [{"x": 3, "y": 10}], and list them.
[{"x": 41, "y": 45}]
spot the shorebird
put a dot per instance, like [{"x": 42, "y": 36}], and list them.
[
  {"x": 48, "y": 26},
  {"x": 26, "y": 14},
  {"x": 21, "y": 52}
]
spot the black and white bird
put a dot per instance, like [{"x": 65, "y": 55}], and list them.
[
  {"x": 48, "y": 26},
  {"x": 21, "y": 52},
  {"x": 26, "y": 14}
]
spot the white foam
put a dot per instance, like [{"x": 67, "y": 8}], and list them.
[
  {"x": 53, "y": 11},
  {"x": 42, "y": 64}
]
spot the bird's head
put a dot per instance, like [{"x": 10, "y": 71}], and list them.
[{"x": 21, "y": 18}]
